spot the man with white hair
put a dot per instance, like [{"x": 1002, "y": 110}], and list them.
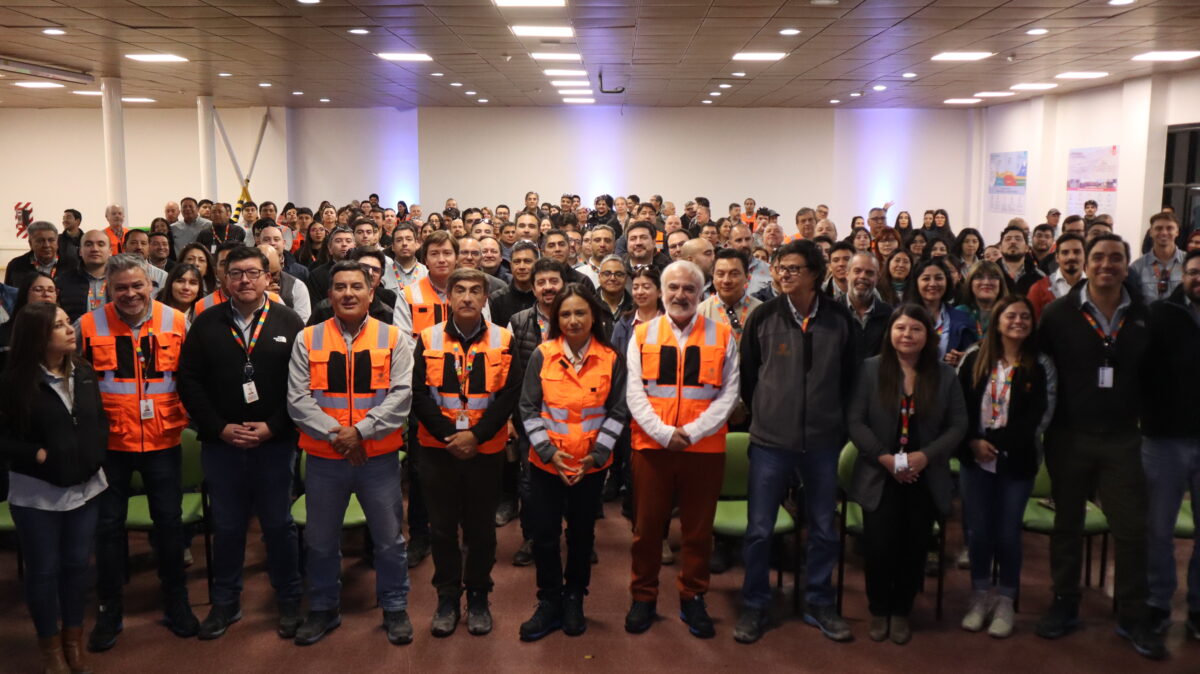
[
  {"x": 115, "y": 215},
  {"x": 682, "y": 387}
]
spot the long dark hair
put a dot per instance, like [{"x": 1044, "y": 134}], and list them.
[
  {"x": 912, "y": 293},
  {"x": 651, "y": 274},
  {"x": 209, "y": 281},
  {"x": 891, "y": 377},
  {"x": 957, "y": 248},
  {"x": 32, "y": 328},
  {"x": 26, "y": 286},
  {"x": 884, "y": 286},
  {"x": 598, "y": 312},
  {"x": 991, "y": 347},
  {"x": 165, "y": 293}
]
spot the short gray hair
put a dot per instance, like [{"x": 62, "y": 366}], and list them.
[
  {"x": 123, "y": 262},
  {"x": 41, "y": 226},
  {"x": 613, "y": 258},
  {"x": 688, "y": 267}
]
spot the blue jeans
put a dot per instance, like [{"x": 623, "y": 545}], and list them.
[
  {"x": 328, "y": 484},
  {"x": 1172, "y": 467},
  {"x": 244, "y": 483},
  {"x": 993, "y": 509},
  {"x": 57, "y": 547},
  {"x": 771, "y": 470}
]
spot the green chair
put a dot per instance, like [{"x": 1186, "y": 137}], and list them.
[
  {"x": 194, "y": 504},
  {"x": 7, "y": 526},
  {"x": 1185, "y": 524},
  {"x": 732, "y": 515},
  {"x": 354, "y": 517},
  {"x": 1039, "y": 519}
]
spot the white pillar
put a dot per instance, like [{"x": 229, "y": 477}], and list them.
[
  {"x": 208, "y": 147},
  {"x": 114, "y": 143}
]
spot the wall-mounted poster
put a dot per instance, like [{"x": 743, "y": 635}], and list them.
[
  {"x": 1006, "y": 188},
  {"x": 1092, "y": 174}
]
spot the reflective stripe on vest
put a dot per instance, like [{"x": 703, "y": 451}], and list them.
[
  {"x": 423, "y": 294},
  {"x": 573, "y": 418}
]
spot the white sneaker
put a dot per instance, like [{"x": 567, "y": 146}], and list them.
[
  {"x": 1002, "y": 618},
  {"x": 977, "y": 611}
]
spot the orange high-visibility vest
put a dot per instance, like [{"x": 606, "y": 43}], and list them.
[
  {"x": 219, "y": 297},
  {"x": 493, "y": 351},
  {"x": 427, "y": 308},
  {"x": 115, "y": 243},
  {"x": 340, "y": 387},
  {"x": 573, "y": 409},
  {"x": 681, "y": 389},
  {"x": 128, "y": 382}
]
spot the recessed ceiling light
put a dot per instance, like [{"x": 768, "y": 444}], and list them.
[
  {"x": 855, "y": 94},
  {"x": 482, "y": 100},
  {"x": 435, "y": 74},
  {"x": 1118, "y": 3},
  {"x": 54, "y": 31},
  {"x": 309, "y": 2},
  {"x": 575, "y": 92},
  {"x": 834, "y": 101},
  {"x": 738, "y": 74},
  {"x": 456, "y": 84},
  {"x": 724, "y": 86},
  {"x": 136, "y": 99},
  {"x": 1167, "y": 56},
  {"x": 758, "y": 56},
  {"x": 224, "y": 74},
  {"x": 358, "y": 31},
  {"x": 404, "y": 56},
  {"x": 156, "y": 58},
  {"x": 994, "y": 94},
  {"x": 579, "y": 100},
  {"x": 297, "y": 93},
  {"x": 1036, "y": 31},
  {"x": 823, "y": 3},
  {"x": 909, "y": 76},
  {"x": 706, "y": 102},
  {"x": 542, "y": 31},
  {"x": 87, "y": 92},
  {"x": 569, "y": 83},
  {"x": 1033, "y": 86},
  {"x": 961, "y": 56},
  {"x": 469, "y": 93},
  {"x": 559, "y": 72},
  {"x": 554, "y": 56},
  {"x": 961, "y": 101},
  {"x": 531, "y": 3},
  {"x": 879, "y": 87},
  {"x": 39, "y": 85},
  {"x": 1080, "y": 75},
  {"x": 264, "y": 84},
  {"x": 790, "y": 31},
  {"x": 324, "y": 100},
  {"x": 714, "y": 93}
]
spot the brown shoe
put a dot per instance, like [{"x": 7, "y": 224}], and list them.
[
  {"x": 53, "y": 661},
  {"x": 72, "y": 644},
  {"x": 901, "y": 631},
  {"x": 879, "y": 628}
]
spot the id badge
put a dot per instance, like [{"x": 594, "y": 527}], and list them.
[
  {"x": 250, "y": 392},
  {"x": 147, "y": 408},
  {"x": 1104, "y": 378},
  {"x": 902, "y": 463},
  {"x": 461, "y": 422}
]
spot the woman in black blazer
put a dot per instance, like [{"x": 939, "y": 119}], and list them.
[
  {"x": 1009, "y": 387},
  {"x": 906, "y": 418},
  {"x": 53, "y": 432}
]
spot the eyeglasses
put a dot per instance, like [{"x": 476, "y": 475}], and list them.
[
  {"x": 612, "y": 274},
  {"x": 474, "y": 221},
  {"x": 250, "y": 274},
  {"x": 790, "y": 269},
  {"x": 372, "y": 270}
]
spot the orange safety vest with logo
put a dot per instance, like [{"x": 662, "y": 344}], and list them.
[
  {"x": 219, "y": 297},
  {"x": 347, "y": 386},
  {"x": 680, "y": 389},
  {"x": 131, "y": 384},
  {"x": 493, "y": 351},
  {"x": 573, "y": 411},
  {"x": 427, "y": 307}
]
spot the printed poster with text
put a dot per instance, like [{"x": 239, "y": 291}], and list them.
[
  {"x": 1092, "y": 174},
  {"x": 1006, "y": 188}
]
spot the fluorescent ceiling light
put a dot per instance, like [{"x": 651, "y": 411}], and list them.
[
  {"x": 738, "y": 74},
  {"x": 358, "y": 31},
  {"x": 724, "y": 86},
  {"x": 961, "y": 101},
  {"x": 706, "y": 102},
  {"x": 297, "y": 93},
  {"x": 1167, "y": 56},
  {"x": 575, "y": 92},
  {"x": 309, "y": 2},
  {"x": 224, "y": 74},
  {"x": 714, "y": 93},
  {"x": 48, "y": 72},
  {"x": 1033, "y": 86},
  {"x": 54, "y": 31},
  {"x": 542, "y": 31},
  {"x": 961, "y": 56},
  {"x": 435, "y": 74},
  {"x": 879, "y": 87},
  {"x": 156, "y": 58},
  {"x": 469, "y": 93},
  {"x": 136, "y": 99},
  {"x": 324, "y": 100},
  {"x": 834, "y": 101},
  {"x": 569, "y": 83},
  {"x": 399, "y": 56},
  {"x": 554, "y": 56},
  {"x": 1036, "y": 31},
  {"x": 482, "y": 100},
  {"x": 994, "y": 94},
  {"x": 855, "y": 94},
  {"x": 531, "y": 3},
  {"x": 1080, "y": 75},
  {"x": 87, "y": 92},
  {"x": 790, "y": 31},
  {"x": 1119, "y": 3},
  {"x": 909, "y": 76},
  {"x": 758, "y": 56},
  {"x": 456, "y": 84},
  {"x": 823, "y": 3},
  {"x": 39, "y": 85},
  {"x": 264, "y": 84},
  {"x": 559, "y": 72},
  {"x": 579, "y": 100}
]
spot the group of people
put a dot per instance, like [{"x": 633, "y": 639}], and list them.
[{"x": 533, "y": 368}]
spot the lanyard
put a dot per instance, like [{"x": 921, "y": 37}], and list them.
[
  {"x": 96, "y": 299},
  {"x": 1108, "y": 340},
  {"x": 137, "y": 347},
  {"x": 543, "y": 326},
  {"x": 463, "y": 372},
  {"x": 396, "y": 271},
  {"x": 1162, "y": 276},
  {"x": 998, "y": 397},
  {"x": 249, "y": 348},
  {"x": 737, "y": 317},
  {"x": 907, "y": 409}
]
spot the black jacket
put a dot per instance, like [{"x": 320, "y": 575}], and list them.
[
  {"x": 1018, "y": 439},
  {"x": 504, "y": 303},
  {"x": 870, "y": 336},
  {"x": 1170, "y": 371},
  {"x": 527, "y": 336},
  {"x": 211, "y": 372},
  {"x": 73, "y": 291},
  {"x": 22, "y": 267},
  {"x": 209, "y": 240},
  {"x": 75, "y": 440}
]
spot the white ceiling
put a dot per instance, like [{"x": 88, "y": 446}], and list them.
[{"x": 663, "y": 52}]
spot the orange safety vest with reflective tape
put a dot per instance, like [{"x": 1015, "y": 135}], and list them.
[
  {"x": 493, "y": 351},
  {"x": 134, "y": 385},
  {"x": 348, "y": 385},
  {"x": 680, "y": 389},
  {"x": 573, "y": 412},
  {"x": 427, "y": 308}
]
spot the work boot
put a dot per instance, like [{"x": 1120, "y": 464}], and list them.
[
  {"x": 640, "y": 617},
  {"x": 751, "y": 624},
  {"x": 1060, "y": 620},
  {"x": 316, "y": 626},
  {"x": 546, "y": 618},
  {"x": 479, "y": 617},
  {"x": 399, "y": 628},
  {"x": 574, "y": 622},
  {"x": 220, "y": 617},
  {"x": 695, "y": 614},
  {"x": 445, "y": 618},
  {"x": 179, "y": 618},
  {"x": 53, "y": 661},
  {"x": 108, "y": 625},
  {"x": 72, "y": 645}
]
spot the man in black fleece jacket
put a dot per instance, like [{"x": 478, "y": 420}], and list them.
[
  {"x": 1097, "y": 337},
  {"x": 235, "y": 390}
]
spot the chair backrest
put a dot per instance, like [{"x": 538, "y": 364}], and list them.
[
  {"x": 845, "y": 469},
  {"x": 737, "y": 466},
  {"x": 303, "y": 465},
  {"x": 1041, "y": 483},
  {"x": 192, "y": 470}
]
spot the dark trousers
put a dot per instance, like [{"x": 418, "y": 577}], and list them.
[
  {"x": 57, "y": 547},
  {"x": 1079, "y": 464},
  {"x": 418, "y": 515},
  {"x": 244, "y": 483},
  {"x": 550, "y": 501},
  {"x": 160, "y": 471},
  {"x": 895, "y": 539},
  {"x": 461, "y": 494}
]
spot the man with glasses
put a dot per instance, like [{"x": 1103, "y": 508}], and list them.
[
  {"x": 675, "y": 241},
  {"x": 876, "y": 221},
  {"x": 470, "y": 256}
]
